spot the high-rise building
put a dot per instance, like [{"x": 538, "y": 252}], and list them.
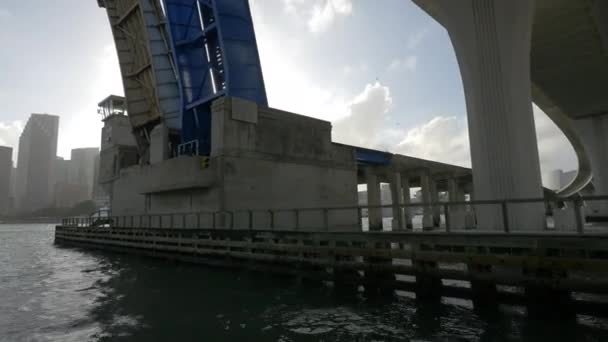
[
  {"x": 13, "y": 189},
  {"x": 83, "y": 169},
  {"x": 37, "y": 153},
  {"x": 65, "y": 193},
  {"x": 74, "y": 180},
  {"x": 6, "y": 165}
]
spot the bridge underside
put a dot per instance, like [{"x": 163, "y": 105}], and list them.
[
  {"x": 568, "y": 65},
  {"x": 569, "y": 56}
]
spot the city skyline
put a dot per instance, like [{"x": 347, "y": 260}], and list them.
[
  {"x": 40, "y": 179},
  {"x": 405, "y": 97}
]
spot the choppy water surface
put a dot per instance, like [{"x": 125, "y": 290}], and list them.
[{"x": 51, "y": 293}]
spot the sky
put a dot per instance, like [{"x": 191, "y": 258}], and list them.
[{"x": 383, "y": 72}]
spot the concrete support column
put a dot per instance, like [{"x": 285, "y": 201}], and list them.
[
  {"x": 405, "y": 185},
  {"x": 457, "y": 212},
  {"x": 397, "y": 201},
  {"x": 484, "y": 291},
  {"x": 373, "y": 199},
  {"x": 435, "y": 199},
  {"x": 427, "y": 286},
  {"x": 425, "y": 190},
  {"x": 594, "y": 134},
  {"x": 492, "y": 41}
]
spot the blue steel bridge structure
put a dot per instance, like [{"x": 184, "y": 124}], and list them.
[
  {"x": 214, "y": 46},
  {"x": 178, "y": 56}
]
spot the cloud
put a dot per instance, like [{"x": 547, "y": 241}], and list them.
[
  {"x": 359, "y": 68},
  {"x": 443, "y": 138},
  {"x": 288, "y": 84},
  {"x": 415, "y": 39},
  {"x": 364, "y": 124},
  {"x": 321, "y": 13},
  {"x": 4, "y": 13},
  {"x": 554, "y": 149},
  {"x": 9, "y": 135},
  {"x": 294, "y": 6},
  {"x": 407, "y": 63},
  {"x": 446, "y": 139}
]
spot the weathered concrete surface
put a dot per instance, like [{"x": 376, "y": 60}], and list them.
[
  {"x": 568, "y": 69},
  {"x": 492, "y": 41},
  {"x": 594, "y": 133},
  {"x": 261, "y": 159}
]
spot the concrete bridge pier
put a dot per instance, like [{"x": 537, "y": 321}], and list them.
[
  {"x": 435, "y": 199},
  {"x": 397, "y": 200},
  {"x": 492, "y": 41},
  {"x": 373, "y": 199},
  {"x": 405, "y": 184},
  {"x": 425, "y": 191},
  {"x": 427, "y": 286},
  {"x": 543, "y": 301},
  {"x": 456, "y": 213},
  {"x": 484, "y": 291}
]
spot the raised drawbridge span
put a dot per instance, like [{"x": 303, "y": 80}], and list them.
[{"x": 176, "y": 57}]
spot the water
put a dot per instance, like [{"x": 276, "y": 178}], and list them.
[{"x": 51, "y": 293}]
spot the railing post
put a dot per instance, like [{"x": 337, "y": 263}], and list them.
[
  {"x": 446, "y": 213},
  {"x": 214, "y": 213},
  {"x": 271, "y": 219},
  {"x": 297, "y": 216},
  {"x": 505, "y": 216},
  {"x": 250, "y": 219},
  {"x": 184, "y": 221},
  {"x": 580, "y": 228},
  {"x": 171, "y": 221},
  {"x": 360, "y": 218},
  {"x": 326, "y": 219}
]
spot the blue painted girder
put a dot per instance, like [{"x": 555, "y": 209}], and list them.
[{"x": 216, "y": 54}]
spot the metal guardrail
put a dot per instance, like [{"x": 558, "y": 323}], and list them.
[{"x": 229, "y": 219}]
